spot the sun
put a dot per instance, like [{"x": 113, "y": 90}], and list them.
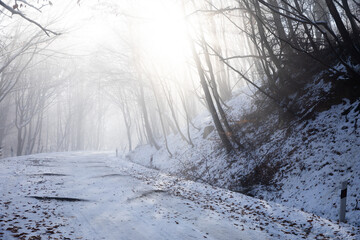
[{"x": 162, "y": 35}]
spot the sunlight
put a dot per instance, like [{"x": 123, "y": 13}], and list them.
[
  {"x": 163, "y": 35},
  {"x": 155, "y": 119}
]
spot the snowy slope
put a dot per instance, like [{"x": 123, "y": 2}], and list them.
[
  {"x": 299, "y": 163},
  {"x": 103, "y": 197},
  {"x": 316, "y": 166}
]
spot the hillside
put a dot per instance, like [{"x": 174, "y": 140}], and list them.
[{"x": 297, "y": 160}]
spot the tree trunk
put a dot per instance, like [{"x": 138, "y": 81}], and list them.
[
  {"x": 216, "y": 95},
  {"x": 292, "y": 35},
  {"x": 343, "y": 31},
  {"x": 171, "y": 106},
  {"x": 354, "y": 26},
  {"x": 225, "y": 141},
  {"x": 306, "y": 29},
  {"x": 146, "y": 119},
  {"x": 279, "y": 27},
  {"x": 19, "y": 142},
  {"x": 274, "y": 59},
  {"x": 161, "y": 118}
]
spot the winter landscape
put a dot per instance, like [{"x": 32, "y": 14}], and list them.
[{"x": 179, "y": 119}]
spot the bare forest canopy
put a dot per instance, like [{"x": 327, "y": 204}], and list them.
[{"x": 97, "y": 75}]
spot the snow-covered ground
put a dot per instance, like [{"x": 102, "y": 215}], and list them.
[
  {"x": 97, "y": 196},
  {"x": 314, "y": 154}
]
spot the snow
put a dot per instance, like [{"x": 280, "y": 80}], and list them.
[
  {"x": 148, "y": 195},
  {"x": 128, "y": 201},
  {"x": 328, "y": 163},
  {"x": 119, "y": 205},
  {"x": 315, "y": 154}
]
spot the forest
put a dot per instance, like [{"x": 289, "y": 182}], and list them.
[
  {"x": 255, "y": 97},
  {"x": 154, "y": 73}
]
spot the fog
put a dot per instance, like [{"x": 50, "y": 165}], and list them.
[
  {"x": 99, "y": 75},
  {"x": 107, "y": 74}
]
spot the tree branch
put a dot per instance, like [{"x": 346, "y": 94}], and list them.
[{"x": 15, "y": 12}]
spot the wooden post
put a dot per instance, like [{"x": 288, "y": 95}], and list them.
[
  {"x": 343, "y": 201},
  {"x": 117, "y": 152}
]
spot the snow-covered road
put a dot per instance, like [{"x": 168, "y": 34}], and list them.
[{"x": 96, "y": 196}]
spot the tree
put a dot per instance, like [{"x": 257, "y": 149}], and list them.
[{"x": 15, "y": 10}]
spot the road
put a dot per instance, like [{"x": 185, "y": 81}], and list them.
[{"x": 96, "y": 196}]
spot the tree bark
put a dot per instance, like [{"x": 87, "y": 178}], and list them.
[
  {"x": 343, "y": 31},
  {"x": 219, "y": 128},
  {"x": 354, "y": 26}
]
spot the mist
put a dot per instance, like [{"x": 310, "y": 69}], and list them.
[
  {"x": 179, "y": 119},
  {"x": 101, "y": 75}
]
